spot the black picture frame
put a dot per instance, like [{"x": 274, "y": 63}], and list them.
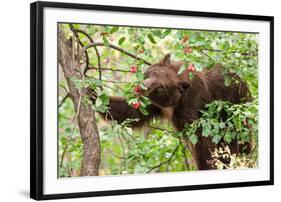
[{"x": 37, "y": 98}]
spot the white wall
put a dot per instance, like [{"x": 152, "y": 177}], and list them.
[{"x": 14, "y": 101}]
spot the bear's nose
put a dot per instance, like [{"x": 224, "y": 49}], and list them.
[{"x": 147, "y": 84}]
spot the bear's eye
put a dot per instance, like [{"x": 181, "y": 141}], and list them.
[
  {"x": 160, "y": 89},
  {"x": 154, "y": 74}
]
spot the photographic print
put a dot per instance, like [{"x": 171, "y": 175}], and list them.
[
  {"x": 131, "y": 100},
  {"x": 155, "y": 100}
]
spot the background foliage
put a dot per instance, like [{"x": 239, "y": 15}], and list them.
[{"x": 157, "y": 147}]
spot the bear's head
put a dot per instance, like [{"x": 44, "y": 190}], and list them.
[{"x": 164, "y": 86}]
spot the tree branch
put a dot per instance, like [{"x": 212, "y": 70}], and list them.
[
  {"x": 62, "y": 155},
  {"x": 116, "y": 48},
  {"x": 85, "y": 116},
  {"x": 162, "y": 129},
  {"x": 218, "y": 51},
  {"x": 110, "y": 69},
  {"x": 110, "y": 81},
  {"x": 75, "y": 33},
  {"x": 96, "y": 50}
]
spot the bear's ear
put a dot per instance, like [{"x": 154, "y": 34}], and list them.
[
  {"x": 183, "y": 86},
  {"x": 166, "y": 61},
  {"x": 177, "y": 65}
]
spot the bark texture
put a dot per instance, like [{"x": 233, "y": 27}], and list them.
[{"x": 85, "y": 115}]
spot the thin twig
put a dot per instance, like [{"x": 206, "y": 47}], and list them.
[
  {"x": 113, "y": 154},
  {"x": 162, "y": 129},
  {"x": 205, "y": 54},
  {"x": 164, "y": 162},
  {"x": 99, "y": 64},
  {"x": 63, "y": 87},
  {"x": 79, "y": 42},
  {"x": 110, "y": 81},
  {"x": 68, "y": 166},
  {"x": 185, "y": 157},
  {"x": 115, "y": 90},
  {"x": 233, "y": 52},
  {"x": 110, "y": 69},
  {"x": 62, "y": 155},
  {"x": 63, "y": 100},
  {"x": 124, "y": 152},
  {"x": 126, "y": 141}
]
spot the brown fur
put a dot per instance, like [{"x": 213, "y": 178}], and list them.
[{"x": 180, "y": 99}]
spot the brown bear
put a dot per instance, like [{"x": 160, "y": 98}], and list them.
[{"x": 180, "y": 99}]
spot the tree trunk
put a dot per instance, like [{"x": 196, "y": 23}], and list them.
[{"x": 85, "y": 114}]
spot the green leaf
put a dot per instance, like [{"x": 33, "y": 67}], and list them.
[
  {"x": 206, "y": 130},
  {"x": 182, "y": 69},
  {"x": 121, "y": 41},
  {"x": 106, "y": 29},
  {"x": 76, "y": 26},
  {"x": 139, "y": 76},
  {"x": 105, "y": 99},
  {"x": 198, "y": 66},
  {"x": 101, "y": 108},
  {"x": 105, "y": 41},
  {"x": 132, "y": 101},
  {"x": 225, "y": 46},
  {"x": 114, "y": 29},
  {"x": 91, "y": 30},
  {"x": 237, "y": 122},
  {"x": 145, "y": 100},
  {"x": 143, "y": 86},
  {"x": 216, "y": 139},
  {"x": 227, "y": 137},
  {"x": 193, "y": 139},
  {"x": 151, "y": 38},
  {"x": 157, "y": 33},
  {"x": 142, "y": 104},
  {"x": 166, "y": 32},
  {"x": 93, "y": 83},
  {"x": 221, "y": 125},
  {"x": 141, "y": 40},
  {"x": 143, "y": 111},
  {"x": 190, "y": 75},
  {"x": 98, "y": 102},
  {"x": 198, "y": 43}
]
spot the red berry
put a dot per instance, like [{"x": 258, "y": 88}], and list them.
[
  {"x": 134, "y": 69},
  {"x": 137, "y": 89},
  {"x": 136, "y": 105},
  {"x": 191, "y": 67},
  {"x": 187, "y": 50},
  {"x": 185, "y": 39},
  {"x": 141, "y": 51}
]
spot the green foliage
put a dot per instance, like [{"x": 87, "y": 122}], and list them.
[
  {"x": 241, "y": 122},
  {"x": 70, "y": 143},
  {"x": 102, "y": 101},
  {"x": 121, "y": 40},
  {"x": 137, "y": 153},
  {"x": 158, "y": 148}
]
